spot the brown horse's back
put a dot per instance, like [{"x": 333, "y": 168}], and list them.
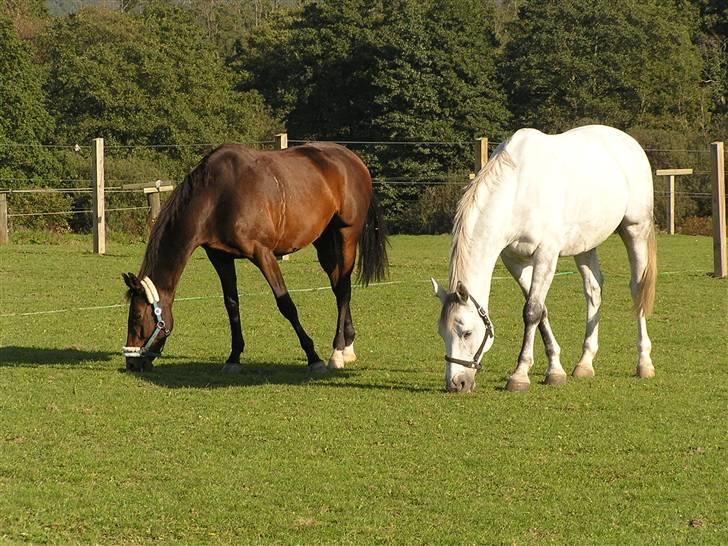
[{"x": 282, "y": 200}]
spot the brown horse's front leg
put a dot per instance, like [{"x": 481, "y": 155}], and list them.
[
  {"x": 224, "y": 265},
  {"x": 266, "y": 262}
]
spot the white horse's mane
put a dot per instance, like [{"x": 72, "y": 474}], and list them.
[{"x": 491, "y": 175}]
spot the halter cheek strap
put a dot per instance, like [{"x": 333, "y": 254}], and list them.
[
  {"x": 475, "y": 362},
  {"x": 153, "y": 298}
]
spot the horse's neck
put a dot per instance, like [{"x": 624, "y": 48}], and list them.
[
  {"x": 165, "y": 262},
  {"x": 477, "y": 242}
]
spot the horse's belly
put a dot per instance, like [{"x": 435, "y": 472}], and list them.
[{"x": 568, "y": 228}]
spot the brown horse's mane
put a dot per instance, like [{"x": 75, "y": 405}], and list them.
[{"x": 170, "y": 213}]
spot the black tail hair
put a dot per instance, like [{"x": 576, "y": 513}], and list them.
[{"x": 373, "y": 262}]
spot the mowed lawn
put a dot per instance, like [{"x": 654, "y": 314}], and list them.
[{"x": 375, "y": 453}]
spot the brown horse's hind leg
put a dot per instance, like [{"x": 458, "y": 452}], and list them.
[
  {"x": 224, "y": 265},
  {"x": 336, "y": 253},
  {"x": 266, "y": 262}
]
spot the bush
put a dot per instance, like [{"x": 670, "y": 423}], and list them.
[
  {"x": 434, "y": 211},
  {"x": 696, "y": 225},
  {"x": 36, "y": 204}
]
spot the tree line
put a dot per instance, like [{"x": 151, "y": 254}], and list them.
[{"x": 159, "y": 80}]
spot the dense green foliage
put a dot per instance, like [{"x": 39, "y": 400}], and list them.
[
  {"x": 157, "y": 77},
  {"x": 23, "y": 115},
  {"x": 376, "y": 453},
  {"x": 626, "y": 64},
  {"x": 145, "y": 80}
]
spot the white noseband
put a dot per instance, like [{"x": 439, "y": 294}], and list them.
[{"x": 153, "y": 298}]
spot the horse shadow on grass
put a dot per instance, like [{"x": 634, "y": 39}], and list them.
[
  {"x": 209, "y": 375},
  {"x": 46, "y": 356}
]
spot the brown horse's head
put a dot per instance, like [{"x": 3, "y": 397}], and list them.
[{"x": 149, "y": 324}]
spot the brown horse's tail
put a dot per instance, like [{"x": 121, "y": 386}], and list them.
[
  {"x": 373, "y": 261},
  {"x": 645, "y": 300}
]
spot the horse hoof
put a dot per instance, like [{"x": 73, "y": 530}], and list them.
[
  {"x": 517, "y": 385},
  {"x": 555, "y": 379},
  {"x": 645, "y": 372},
  {"x": 582, "y": 371},
  {"x": 349, "y": 355},
  {"x": 317, "y": 367},
  {"x": 337, "y": 360},
  {"x": 336, "y": 363},
  {"x": 232, "y": 368}
]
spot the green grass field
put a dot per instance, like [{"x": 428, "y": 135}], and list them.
[{"x": 377, "y": 453}]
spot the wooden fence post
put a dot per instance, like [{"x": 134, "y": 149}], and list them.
[
  {"x": 671, "y": 205},
  {"x": 717, "y": 167},
  {"x": 153, "y": 199},
  {"x": 281, "y": 143},
  {"x": 671, "y": 194},
  {"x": 155, "y": 206},
  {"x": 4, "y": 238},
  {"x": 99, "y": 208},
  {"x": 481, "y": 153}
]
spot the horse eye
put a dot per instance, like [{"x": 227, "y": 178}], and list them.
[{"x": 467, "y": 334}]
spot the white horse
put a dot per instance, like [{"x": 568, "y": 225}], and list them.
[{"x": 541, "y": 197}]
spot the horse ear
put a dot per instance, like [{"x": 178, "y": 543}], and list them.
[
  {"x": 439, "y": 291},
  {"x": 132, "y": 282},
  {"x": 462, "y": 292}
]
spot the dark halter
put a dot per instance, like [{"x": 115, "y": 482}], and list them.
[{"x": 475, "y": 362}]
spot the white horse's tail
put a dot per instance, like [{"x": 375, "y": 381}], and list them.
[{"x": 645, "y": 300}]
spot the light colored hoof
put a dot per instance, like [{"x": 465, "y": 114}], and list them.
[
  {"x": 645, "y": 372},
  {"x": 336, "y": 362},
  {"x": 582, "y": 371},
  {"x": 232, "y": 368},
  {"x": 317, "y": 368},
  {"x": 349, "y": 354},
  {"x": 517, "y": 385},
  {"x": 555, "y": 379}
]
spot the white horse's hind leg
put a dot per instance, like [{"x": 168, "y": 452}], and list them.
[
  {"x": 591, "y": 275},
  {"x": 640, "y": 243},
  {"x": 523, "y": 273},
  {"x": 535, "y": 315}
]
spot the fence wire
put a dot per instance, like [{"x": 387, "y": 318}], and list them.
[{"x": 690, "y": 199}]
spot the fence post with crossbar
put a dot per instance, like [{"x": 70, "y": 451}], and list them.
[{"x": 671, "y": 173}]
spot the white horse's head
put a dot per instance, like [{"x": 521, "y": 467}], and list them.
[{"x": 468, "y": 334}]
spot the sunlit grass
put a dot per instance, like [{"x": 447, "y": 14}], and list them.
[{"x": 375, "y": 453}]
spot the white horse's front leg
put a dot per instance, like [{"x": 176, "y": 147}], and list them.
[
  {"x": 591, "y": 275},
  {"x": 555, "y": 375}
]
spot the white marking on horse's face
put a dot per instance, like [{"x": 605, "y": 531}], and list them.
[{"x": 462, "y": 330}]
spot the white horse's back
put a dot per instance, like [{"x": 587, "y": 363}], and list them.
[{"x": 574, "y": 189}]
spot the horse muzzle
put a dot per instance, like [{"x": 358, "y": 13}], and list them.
[
  {"x": 138, "y": 359},
  {"x": 139, "y": 364},
  {"x": 461, "y": 382}
]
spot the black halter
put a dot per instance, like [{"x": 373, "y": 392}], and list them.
[{"x": 475, "y": 363}]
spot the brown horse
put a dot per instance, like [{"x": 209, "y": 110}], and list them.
[{"x": 241, "y": 203}]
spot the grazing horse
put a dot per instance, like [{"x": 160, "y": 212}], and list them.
[
  {"x": 541, "y": 197},
  {"x": 241, "y": 203}
]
